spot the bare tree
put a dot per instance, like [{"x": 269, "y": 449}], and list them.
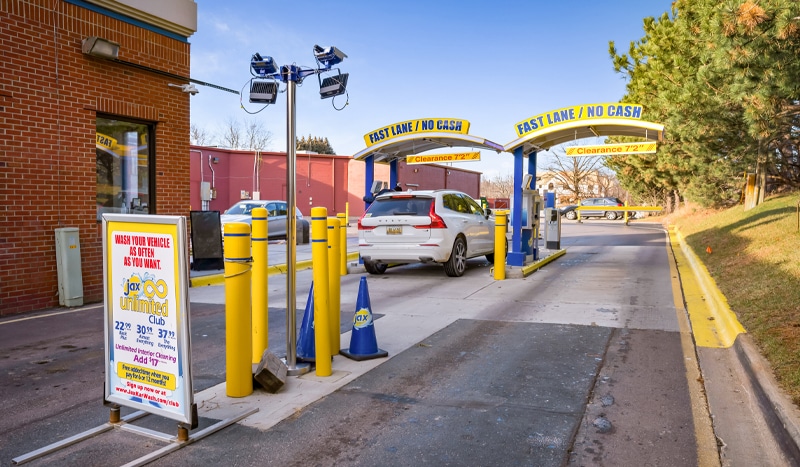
[
  {"x": 256, "y": 136},
  {"x": 199, "y": 136},
  {"x": 230, "y": 135},
  {"x": 501, "y": 186},
  {"x": 575, "y": 174}
]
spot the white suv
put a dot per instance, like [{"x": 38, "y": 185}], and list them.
[{"x": 440, "y": 226}]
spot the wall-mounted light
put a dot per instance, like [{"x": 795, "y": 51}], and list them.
[{"x": 99, "y": 47}]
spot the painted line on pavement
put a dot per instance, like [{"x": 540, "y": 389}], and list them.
[{"x": 705, "y": 438}]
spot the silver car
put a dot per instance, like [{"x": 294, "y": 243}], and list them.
[{"x": 276, "y": 215}]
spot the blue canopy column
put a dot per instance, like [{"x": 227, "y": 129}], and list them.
[{"x": 516, "y": 257}]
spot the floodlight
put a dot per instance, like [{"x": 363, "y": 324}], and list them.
[
  {"x": 262, "y": 66},
  {"x": 333, "y": 85},
  {"x": 263, "y": 91},
  {"x": 99, "y": 47},
  {"x": 328, "y": 56}
]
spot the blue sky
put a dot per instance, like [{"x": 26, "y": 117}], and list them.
[{"x": 493, "y": 63}]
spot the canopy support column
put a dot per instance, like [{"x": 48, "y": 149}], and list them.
[
  {"x": 369, "y": 178},
  {"x": 516, "y": 257},
  {"x": 392, "y": 174}
]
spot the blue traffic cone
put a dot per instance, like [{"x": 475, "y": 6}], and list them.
[
  {"x": 306, "y": 349},
  {"x": 363, "y": 343}
]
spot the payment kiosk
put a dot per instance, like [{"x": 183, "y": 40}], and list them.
[
  {"x": 531, "y": 205},
  {"x": 552, "y": 230}
]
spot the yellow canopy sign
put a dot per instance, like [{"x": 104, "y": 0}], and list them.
[
  {"x": 457, "y": 157},
  {"x": 410, "y": 127},
  {"x": 576, "y": 113},
  {"x": 611, "y": 149}
]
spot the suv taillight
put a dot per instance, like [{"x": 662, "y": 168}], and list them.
[
  {"x": 436, "y": 221},
  {"x": 361, "y": 227}
]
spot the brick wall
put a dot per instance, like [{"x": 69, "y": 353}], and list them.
[{"x": 50, "y": 95}]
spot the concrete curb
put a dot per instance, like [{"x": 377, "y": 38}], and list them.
[
  {"x": 519, "y": 272},
  {"x": 780, "y": 414},
  {"x": 782, "y": 417},
  {"x": 725, "y": 322}
]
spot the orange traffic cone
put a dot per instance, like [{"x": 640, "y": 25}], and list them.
[
  {"x": 363, "y": 343},
  {"x": 708, "y": 249}
]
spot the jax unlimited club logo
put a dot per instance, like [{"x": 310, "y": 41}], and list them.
[{"x": 145, "y": 285}]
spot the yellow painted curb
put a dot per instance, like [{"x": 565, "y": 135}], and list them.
[
  {"x": 531, "y": 268},
  {"x": 714, "y": 324},
  {"x": 218, "y": 279}
]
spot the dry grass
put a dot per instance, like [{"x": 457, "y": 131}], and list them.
[{"x": 755, "y": 260}]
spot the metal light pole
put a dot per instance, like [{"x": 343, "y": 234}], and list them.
[
  {"x": 293, "y": 368},
  {"x": 264, "y": 89}
]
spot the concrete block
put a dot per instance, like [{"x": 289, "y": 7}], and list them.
[{"x": 270, "y": 373}]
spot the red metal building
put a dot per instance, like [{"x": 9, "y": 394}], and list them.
[{"x": 227, "y": 176}]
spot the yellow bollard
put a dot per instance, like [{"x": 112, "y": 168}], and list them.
[
  {"x": 334, "y": 282},
  {"x": 238, "y": 370},
  {"x": 319, "y": 260},
  {"x": 579, "y": 211},
  {"x": 626, "y": 213},
  {"x": 260, "y": 309},
  {"x": 343, "y": 241},
  {"x": 500, "y": 243},
  {"x": 347, "y": 213}
]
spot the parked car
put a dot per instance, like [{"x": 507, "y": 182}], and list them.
[
  {"x": 594, "y": 208},
  {"x": 276, "y": 215},
  {"x": 439, "y": 226}
]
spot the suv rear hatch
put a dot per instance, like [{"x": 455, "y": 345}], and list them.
[{"x": 400, "y": 218}]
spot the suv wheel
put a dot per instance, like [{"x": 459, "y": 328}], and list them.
[
  {"x": 490, "y": 256},
  {"x": 571, "y": 215},
  {"x": 455, "y": 266},
  {"x": 611, "y": 215},
  {"x": 375, "y": 268}
]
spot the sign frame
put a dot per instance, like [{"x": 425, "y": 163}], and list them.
[
  {"x": 145, "y": 267},
  {"x": 474, "y": 156}
]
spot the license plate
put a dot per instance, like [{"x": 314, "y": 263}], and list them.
[{"x": 396, "y": 230}]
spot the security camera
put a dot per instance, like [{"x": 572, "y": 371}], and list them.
[{"x": 190, "y": 88}]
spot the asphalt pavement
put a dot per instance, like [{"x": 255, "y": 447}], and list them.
[{"x": 475, "y": 404}]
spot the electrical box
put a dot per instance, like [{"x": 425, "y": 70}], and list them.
[
  {"x": 68, "y": 262},
  {"x": 205, "y": 191}
]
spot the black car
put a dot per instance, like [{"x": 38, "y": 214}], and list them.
[{"x": 594, "y": 207}]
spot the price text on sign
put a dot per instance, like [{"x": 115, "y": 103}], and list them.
[
  {"x": 611, "y": 149},
  {"x": 431, "y": 158}
]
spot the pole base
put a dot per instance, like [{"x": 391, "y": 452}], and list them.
[{"x": 298, "y": 369}]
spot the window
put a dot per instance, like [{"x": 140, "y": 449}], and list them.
[
  {"x": 125, "y": 167},
  {"x": 473, "y": 206}
]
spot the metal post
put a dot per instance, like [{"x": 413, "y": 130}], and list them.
[
  {"x": 260, "y": 307},
  {"x": 293, "y": 369},
  {"x": 238, "y": 337}
]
